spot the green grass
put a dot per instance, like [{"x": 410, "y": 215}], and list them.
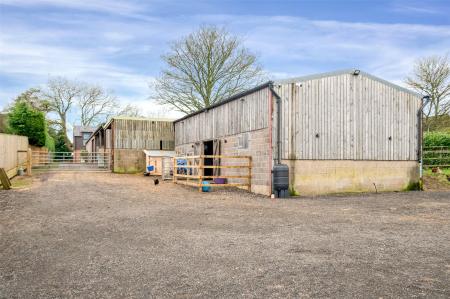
[
  {"x": 413, "y": 186},
  {"x": 428, "y": 171},
  {"x": 440, "y": 177},
  {"x": 19, "y": 182},
  {"x": 293, "y": 192}
]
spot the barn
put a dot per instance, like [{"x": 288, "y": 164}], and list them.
[
  {"x": 343, "y": 131},
  {"x": 123, "y": 139}
]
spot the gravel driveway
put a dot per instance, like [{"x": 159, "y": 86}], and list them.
[{"x": 119, "y": 236}]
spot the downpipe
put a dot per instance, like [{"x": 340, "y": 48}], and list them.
[{"x": 424, "y": 100}]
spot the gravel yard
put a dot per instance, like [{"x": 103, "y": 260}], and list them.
[{"x": 119, "y": 236}]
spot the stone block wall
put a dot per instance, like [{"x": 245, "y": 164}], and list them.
[
  {"x": 315, "y": 177},
  {"x": 129, "y": 161},
  {"x": 255, "y": 144}
]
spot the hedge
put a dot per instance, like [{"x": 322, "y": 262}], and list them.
[{"x": 436, "y": 149}]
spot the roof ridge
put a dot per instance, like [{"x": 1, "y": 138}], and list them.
[{"x": 345, "y": 71}]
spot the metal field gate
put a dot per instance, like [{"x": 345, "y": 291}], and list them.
[{"x": 68, "y": 161}]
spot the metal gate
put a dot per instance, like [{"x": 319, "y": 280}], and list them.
[{"x": 68, "y": 161}]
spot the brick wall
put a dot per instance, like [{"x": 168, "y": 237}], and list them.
[
  {"x": 257, "y": 146},
  {"x": 129, "y": 161}
]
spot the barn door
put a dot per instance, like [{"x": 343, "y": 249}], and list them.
[{"x": 216, "y": 161}]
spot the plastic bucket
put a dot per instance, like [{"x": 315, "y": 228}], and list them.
[{"x": 205, "y": 188}]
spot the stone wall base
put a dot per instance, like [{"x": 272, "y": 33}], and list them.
[
  {"x": 129, "y": 161},
  {"x": 314, "y": 177}
]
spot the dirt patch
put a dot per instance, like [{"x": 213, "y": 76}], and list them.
[
  {"x": 120, "y": 236},
  {"x": 436, "y": 182}
]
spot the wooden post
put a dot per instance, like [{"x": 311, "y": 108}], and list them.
[
  {"x": 200, "y": 174},
  {"x": 249, "y": 173},
  {"x": 175, "y": 170},
  {"x": 4, "y": 179},
  {"x": 29, "y": 161}
]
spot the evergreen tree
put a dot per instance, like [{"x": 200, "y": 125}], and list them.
[{"x": 26, "y": 121}]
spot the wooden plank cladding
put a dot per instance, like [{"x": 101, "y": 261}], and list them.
[
  {"x": 13, "y": 152},
  {"x": 248, "y": 113},
  {"x": 347, "y": 117},
  {"x": 143, "y": 134}
]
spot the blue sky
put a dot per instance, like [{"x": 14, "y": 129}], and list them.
[{"x": 118, "y": 44}]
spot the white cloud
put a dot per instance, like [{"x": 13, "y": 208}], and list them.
[
  {"x": 116, "y": 6},
  {"x": 302, "y": 46},
  {"x": 123, "y": 55},
  {"x": 409, "y": 8}
]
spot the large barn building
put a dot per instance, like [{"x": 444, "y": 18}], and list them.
[
  {"x": 344, "y": 131},
  {"x": 125, "y": 138}
]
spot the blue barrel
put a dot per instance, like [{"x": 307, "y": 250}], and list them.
[{"x": 206, "y": 188}]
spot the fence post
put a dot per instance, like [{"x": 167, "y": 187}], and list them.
[
  {"x": 200, "y": 173},
  {"x": 175, "y": 170},
  {"x": 250, "y": 173},
  {"x": 29, "y": 161}
]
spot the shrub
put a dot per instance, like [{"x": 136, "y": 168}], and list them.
[
  {"x": 59, "y": 140},
  {"x": 49, "y": 142},
  {"x": 26, "y": 121},
  {"x": 436, "y": 149},
  {"x": 432, "y": 139}
]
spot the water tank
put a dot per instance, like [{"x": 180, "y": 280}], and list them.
[{"x": 280, "y": 180}]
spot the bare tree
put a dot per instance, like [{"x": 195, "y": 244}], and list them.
[
  {"x": 129, "y": 110},
  {"x": 431, "y": 77},
  {"x": 158, "y": 112},
  {"x": 96, "y": 104},
  {"x": 204, "y": 68},
  {"x": 60, "y": 95},
  {"x": 32, "y": 96}
]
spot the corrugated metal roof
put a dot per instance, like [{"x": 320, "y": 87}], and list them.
[
  {"x": 159, "y": 153},
  {"x": 300, "y": 79},
  {"x": 95, "y": 132},
  {"x": 346, "y": 71}
]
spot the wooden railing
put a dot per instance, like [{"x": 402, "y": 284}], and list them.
[
  {"x": 436, "y": 156},
  {"x": 190, "y": 170}
]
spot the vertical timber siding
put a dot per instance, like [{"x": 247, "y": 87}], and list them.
[
  {"x": 249, "y": 113},
  {"x": 354, "y": 117},
  {"x": 142, "y": 134},
  {"x": 10, "y": 158}
]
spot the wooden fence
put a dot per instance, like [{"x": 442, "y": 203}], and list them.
[
  {"x": 436, "y": 156},
  {"x": 14, "y": 153},
  {"x": 190, "y": 170}
]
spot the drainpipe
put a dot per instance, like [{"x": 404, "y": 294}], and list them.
[{"x": 420, "y": 136}]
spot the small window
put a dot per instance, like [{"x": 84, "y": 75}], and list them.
[
  {"x": 243, "y": 141},
  {"x": 160, "y": 145},
  {"x": 86, "y": 136}
]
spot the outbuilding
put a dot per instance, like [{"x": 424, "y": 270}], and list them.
[
  {"x": 343, "y": 131},
  {"x": 160, "y": 163},
  {"x": 123, "y": 139}
]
